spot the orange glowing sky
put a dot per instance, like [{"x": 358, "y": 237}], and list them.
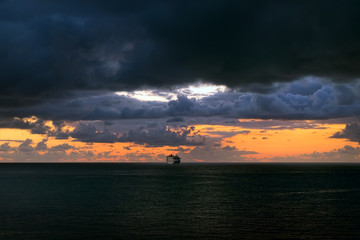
[
  {"x": 257, "y": 144},
  {"x": 283, "y": 142}
]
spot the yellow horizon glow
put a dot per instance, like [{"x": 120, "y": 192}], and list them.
[{"x": 281, "y": 142}]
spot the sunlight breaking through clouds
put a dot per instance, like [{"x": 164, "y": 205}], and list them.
[{"x": 196, "y": 91}]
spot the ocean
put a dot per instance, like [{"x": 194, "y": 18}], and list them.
[{"x": 189, "y": 201}]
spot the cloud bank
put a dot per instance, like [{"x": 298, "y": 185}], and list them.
[
  {"x": 308, "y": 98},
  {"x": 50, "y": 47}
]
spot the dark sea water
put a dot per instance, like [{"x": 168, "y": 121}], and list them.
[{"x": 190, "y": 201}]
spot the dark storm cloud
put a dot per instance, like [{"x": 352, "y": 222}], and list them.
[
  {"x": 16, "y": 123},
  {"x": 89, "y": 133},
  {"x": 350, "y": 132},
  {"x": 150, "y": 135},
  {"x": 162, "y": 136},
  {"x": 36, "y": 127},
  {"x": 303, "y": 99},
  {"x": 47, "y": 47},
  {"x": 153, "y": 134}
]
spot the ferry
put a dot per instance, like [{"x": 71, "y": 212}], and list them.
[{"x": 173, "y": 159}]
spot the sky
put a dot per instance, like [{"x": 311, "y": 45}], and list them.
[{"x": 212, "y": 81}]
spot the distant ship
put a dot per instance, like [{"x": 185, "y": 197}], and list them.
[{"x": 173, "y": 159}]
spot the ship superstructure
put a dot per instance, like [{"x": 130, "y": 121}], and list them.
[{"x": 173, "y": 159}]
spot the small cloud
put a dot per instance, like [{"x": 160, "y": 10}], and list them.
[
  {"x": 229, "y": 148},
  {"x": 26, "y": 146},
  {"x": 41, "y": 146},
  {"x": 5, "y": 147},
  {"x": 61, "y": 147},
  {"x": 217, "y": 144}
]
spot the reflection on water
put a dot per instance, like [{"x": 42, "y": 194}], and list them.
[{"x": 190, "y": 201}]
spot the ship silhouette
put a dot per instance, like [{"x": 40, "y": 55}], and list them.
[{"x": 173, "y": 159}]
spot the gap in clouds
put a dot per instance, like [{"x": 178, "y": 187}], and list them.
[
  {"x": 198, "y": 118},
  {"x": 196, "y": 91},
  {"x": 306, "y": 98}
]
